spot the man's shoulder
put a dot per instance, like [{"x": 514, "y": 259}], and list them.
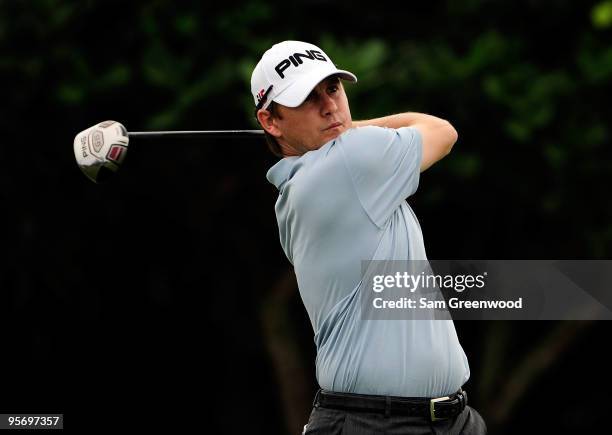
[
  {"x": 355, "y": 143},
  {"x": 363, "y": 137},
  {"x": 366, "y": 131}
]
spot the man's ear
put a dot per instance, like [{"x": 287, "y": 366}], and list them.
[{"x": 268, "y": 122}]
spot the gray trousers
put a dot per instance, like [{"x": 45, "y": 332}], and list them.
[{"x": 336, "y": 422}]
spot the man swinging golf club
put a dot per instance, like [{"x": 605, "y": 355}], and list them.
[{"x": 342, "y": 187}]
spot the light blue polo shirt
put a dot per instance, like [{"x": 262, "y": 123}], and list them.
[{"x": 339, "y": 205}]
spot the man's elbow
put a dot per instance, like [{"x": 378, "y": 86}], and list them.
[
  {"x": 451, "y": 138},
  {"x": 437, "y": 143}
]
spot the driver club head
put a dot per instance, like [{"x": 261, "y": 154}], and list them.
[{"x": 100, "y": 150}]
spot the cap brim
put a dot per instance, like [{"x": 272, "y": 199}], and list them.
[{"x": 296, "y": 93}]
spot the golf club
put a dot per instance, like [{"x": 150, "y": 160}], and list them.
[{"x": 100, "y": 150}]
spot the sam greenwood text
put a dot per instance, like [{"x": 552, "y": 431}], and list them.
[{"x": 409, "y": 303}]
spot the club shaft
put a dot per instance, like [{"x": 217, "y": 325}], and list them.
[{"x": 215, "y": 134}]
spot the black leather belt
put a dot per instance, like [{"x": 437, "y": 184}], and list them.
[{"x": 437, "y": 408}]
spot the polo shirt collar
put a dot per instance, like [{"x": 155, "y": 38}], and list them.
[{"x": 279, "y": 173}]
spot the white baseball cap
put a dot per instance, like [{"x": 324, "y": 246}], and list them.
[{"x": 289, "y": 71}]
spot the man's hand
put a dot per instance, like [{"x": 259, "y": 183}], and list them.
[{"x": 438, "y": 135}]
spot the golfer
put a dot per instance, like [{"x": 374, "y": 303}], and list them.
[{"x": 342, "y": 188}]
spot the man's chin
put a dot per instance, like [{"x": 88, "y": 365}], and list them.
[{"x": 333, "y": 133}]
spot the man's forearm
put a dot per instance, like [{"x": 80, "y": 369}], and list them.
[{"x": 400, "y": 120}]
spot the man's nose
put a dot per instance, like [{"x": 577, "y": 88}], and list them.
[{"x": 328, "y": 105}]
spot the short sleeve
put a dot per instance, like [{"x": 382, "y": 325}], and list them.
[{"x": 384, "y": 165}]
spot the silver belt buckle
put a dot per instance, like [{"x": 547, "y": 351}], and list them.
[{"x": 432, "y": 410}]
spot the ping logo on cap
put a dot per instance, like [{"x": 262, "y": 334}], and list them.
[{"x": 297, "y": 59}]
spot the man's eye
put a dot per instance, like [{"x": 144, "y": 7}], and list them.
[{"x": 333, "y": 88}]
